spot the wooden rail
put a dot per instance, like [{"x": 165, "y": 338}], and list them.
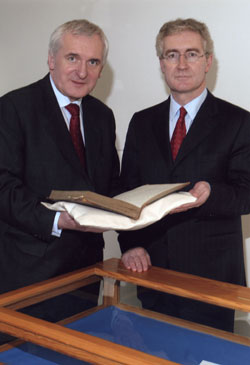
[
  {"x": 185, "y": 285},
  {"x": 93, "y": 349}
]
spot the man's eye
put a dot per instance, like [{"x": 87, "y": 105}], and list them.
[
  {"x": 71, "y": 58},
  {"x": 192, "y": 54},
  {"x": 94, "y": 62},
  {"x": 172, "y": 55}
]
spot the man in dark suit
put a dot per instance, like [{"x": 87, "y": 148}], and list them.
[
  {"x": 37, "y": 155},
  {"x": 203, "y": 238}
]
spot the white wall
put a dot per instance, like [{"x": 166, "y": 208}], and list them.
[{"x": 131, "y": 80}]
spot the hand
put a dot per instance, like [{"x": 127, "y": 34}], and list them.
[
  {"x": 201, "y": 191},
  {"x": 136, "y": 259},
  {"x": 67, "y": 222}
]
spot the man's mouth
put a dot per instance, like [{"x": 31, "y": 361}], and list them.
[
  {"x": 78, "y": 82},
  {"x": 182, "y": 76}
]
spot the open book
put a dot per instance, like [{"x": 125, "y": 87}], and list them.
[{"x": 129, "y": 204}]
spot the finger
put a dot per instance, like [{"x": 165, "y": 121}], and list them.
[
  {"x": 148, "y": 260},
  {"x": 144, "y": 262},
  {"x": 136, "y": 264},
  {"x": 136, "y": 260},
  {"x": 182, "y": 208},
  {"x": 125, "y": 261},
  {"x": 202, "y": 199}
]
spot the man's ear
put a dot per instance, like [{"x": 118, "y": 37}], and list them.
[
  {"x": 51, "y": 61},
  {"x": 162, "y": 65},
  {"x": 209, "y": 62}
]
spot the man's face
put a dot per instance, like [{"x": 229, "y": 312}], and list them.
[
  {"x": 185, "y": 80},
  {"x": 77, "y": 65}
]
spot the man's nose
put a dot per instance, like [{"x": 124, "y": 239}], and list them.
[
  {"x": 182, "y": 62},
  {"x": 82, "y": 70}
]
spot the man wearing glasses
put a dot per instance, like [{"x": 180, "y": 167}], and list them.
[{"x": 192, "y": 136}]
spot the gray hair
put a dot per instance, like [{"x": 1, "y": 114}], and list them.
[
  {"x": 77, "y": 27},
  {"x": 181, "y": 25}
]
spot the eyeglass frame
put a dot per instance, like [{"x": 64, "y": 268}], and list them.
[{"x": 185, "y": 56}]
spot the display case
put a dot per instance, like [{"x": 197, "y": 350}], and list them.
[{"x": 117, "y": 330}]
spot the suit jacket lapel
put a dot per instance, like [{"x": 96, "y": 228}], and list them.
[
  {"x": 161, "y": 131},
  {"x": 92, "y": 135},
  {"x": 202, "y": 125},
  {"x": 55, "y": 124}
]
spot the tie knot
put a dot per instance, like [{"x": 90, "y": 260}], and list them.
[
  {"x": 73, "y": 109},
  {"x": 183, "y": 112}
]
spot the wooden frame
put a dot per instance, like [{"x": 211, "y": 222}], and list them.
[{"x": 96, "y": 350}]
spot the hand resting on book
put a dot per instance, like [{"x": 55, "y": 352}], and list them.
[
  {"x": 201, "y": 191},
  {"x": 67, "y": 222}
]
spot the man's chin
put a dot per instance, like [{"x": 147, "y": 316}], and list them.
[
  {"x": 78, "y": 95},
  {"x": 181, "y": 90}
]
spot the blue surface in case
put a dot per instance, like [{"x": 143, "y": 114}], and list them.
[
  {"x": 30, "y": 354},
  {"x": 161, "y": 339},
  {"x": 142, "y": 333}
]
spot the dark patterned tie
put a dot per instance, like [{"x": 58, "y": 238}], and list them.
[
  {"x": 75, "y": 132},
  {"x": 179, "y": 133}
]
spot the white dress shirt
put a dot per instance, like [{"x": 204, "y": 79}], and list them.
[
  {"x": 64, "y": 101},
  {"x": 192, "y": 109}
]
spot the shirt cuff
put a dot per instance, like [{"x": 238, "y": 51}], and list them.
[{"x": 55, "y": 230}]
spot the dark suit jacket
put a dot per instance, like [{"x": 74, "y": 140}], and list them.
[
  {"x": 205, "y": 241},
  {"x": 36, "y": 156}
]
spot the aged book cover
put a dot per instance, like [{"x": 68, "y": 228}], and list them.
[{"x": 129, "y": 204}]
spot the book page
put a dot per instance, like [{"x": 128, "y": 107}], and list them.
[
  {"x": 93, "y": 199},
  {"x": 101, "y": 219},
  {"x": 129, "y": 203},
  {"x": 146, "y": 194}
]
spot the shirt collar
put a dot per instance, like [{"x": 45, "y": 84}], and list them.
[
  {"x": 63, "y": 100},
  {"x": 192, "y": 107}
]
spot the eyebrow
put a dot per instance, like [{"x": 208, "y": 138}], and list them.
[
  {"x": 187, "y": 50},
  {"x": 77, "y": 55},
  {"x": 94, "y": 59},
  {"x": 72, "y": 54}
]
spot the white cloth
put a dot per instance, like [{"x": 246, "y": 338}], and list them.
[{"x": 92, "y": 217}]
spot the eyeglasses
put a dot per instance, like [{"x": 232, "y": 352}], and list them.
[{"x": 190, "y": 56}]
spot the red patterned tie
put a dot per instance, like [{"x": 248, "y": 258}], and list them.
[
  {"x": 179, "y": 133},
  {"x": 75, "y": 132}
]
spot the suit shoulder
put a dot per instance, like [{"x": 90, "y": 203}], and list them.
[
  {"x": 230, "y": 108},
  {"x": 22, "y": 93},
  {"x": 24, "y": 89},
  {"x": 157, "y": 108},
  {"x": 92, "y": 101},
  {"x": 151, "y": 115}
]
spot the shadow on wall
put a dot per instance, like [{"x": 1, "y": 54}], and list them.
[
  {"x": 105, "y": 83},
  {"x": 103, "y": 90},
  {"x": 212, "y": 75}
]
